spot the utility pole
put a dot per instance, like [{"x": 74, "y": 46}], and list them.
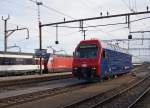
[{"x": 5, "y": 32}]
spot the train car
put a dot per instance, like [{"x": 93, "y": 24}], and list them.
[
  {"x": 60, "y": 63},
  {"x": 13, "y": 63},
  {"x": 95, "y": 60}
]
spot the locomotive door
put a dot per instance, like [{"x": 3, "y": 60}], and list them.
[{"x": 103, "y": 65}]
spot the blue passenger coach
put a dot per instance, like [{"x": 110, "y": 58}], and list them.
[{"x": 114, "y": 60}]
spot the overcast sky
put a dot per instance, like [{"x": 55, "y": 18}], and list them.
[{"x": 24, "y": 14}]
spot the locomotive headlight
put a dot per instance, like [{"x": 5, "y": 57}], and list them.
[
  {"x": 84, "y": 65},
  {"x": 93, "y": 72},
  {"x": 94, "y": 68},
  {"x": 75, "y": 68}
]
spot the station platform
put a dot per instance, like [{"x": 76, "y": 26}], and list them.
[{"x": 15, "y": 80}]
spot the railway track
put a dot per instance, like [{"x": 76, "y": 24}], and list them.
[
  {"x": 33, "y": 96},
  {"x": 14, "y": 100},
  {"x": 140, "y": 98},
  {"x": 25, "y": 80},
  {"x": 122, "y": 97}
]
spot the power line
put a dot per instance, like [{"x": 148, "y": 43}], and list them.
[
  {"x": 127, "y": 15},
  {"x": 128, "y": 6},
  {"x": 28, "y": 27},
  {"x": 118, "y": 29},
  {"x": 52, "y": 9},
  {"x": 98, "y": 25},
  {"x": 71, "y": 33},
  {"x": 134, "y": 5},
  {"x": 140, "y": 19},
  {"x": 113, "y": 24},
  {"x": 94, "y": 25},
  {"x": 95, "y": 3},
  {"x": 88, "y": 4},
  {"x": 85, "y": 4},
  {"x": 14, "y": 2}
]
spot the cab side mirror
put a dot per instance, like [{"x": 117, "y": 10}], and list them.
[{"x": 73, "y": 53}]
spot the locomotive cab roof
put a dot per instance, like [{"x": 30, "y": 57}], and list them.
[{"x": 107, "y": 45}]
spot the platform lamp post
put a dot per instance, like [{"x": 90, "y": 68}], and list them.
[{"x": 40, "y": 33}]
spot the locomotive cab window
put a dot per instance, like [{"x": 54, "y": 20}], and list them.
[{"x": 87, "y": 51}]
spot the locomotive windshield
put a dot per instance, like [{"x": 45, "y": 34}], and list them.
[{"x": 87, "y": 51}]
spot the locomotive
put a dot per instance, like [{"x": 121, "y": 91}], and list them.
[
  {"x": 60, "y": 63},
  {"x": 95, "y": 60}
]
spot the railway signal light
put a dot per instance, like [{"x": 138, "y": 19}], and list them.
[
  {"x": 130, "y": 36},
  {"x": 56, "y": 42}
]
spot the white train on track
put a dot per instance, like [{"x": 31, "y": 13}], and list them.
[{"x": 17, "y": 63}]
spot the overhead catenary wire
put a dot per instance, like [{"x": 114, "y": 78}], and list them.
[
  {"x": 57, "y": 10},
  {"x": 89, "y": 3},
  {"x": 128, "y": 5},
  {"x": 140, "y": 19},
  {"x": 96, "y": 3},
  {"x": 52, "y": 9},
  {"x": 112, "y": 24},
  {"x": 86, "y": 4},
  {"x": 135, "y": 5},
  {"x": 71, "y": 33},
  {"x": 118, "y": 29},
  {"x": 93, "y": 25},
  {"x": 16, "y": 3}
]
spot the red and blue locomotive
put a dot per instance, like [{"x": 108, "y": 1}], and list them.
[{"x": 95, "y": 60}]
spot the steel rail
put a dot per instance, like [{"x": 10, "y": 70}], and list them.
[
  {"x": 87, "y": 99},
  {"x": 28, "y": 97},
  {"x": 81, "y": 102},
  {"x": 139, "y": 98},
  {"x": 118, "y": 94}
]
